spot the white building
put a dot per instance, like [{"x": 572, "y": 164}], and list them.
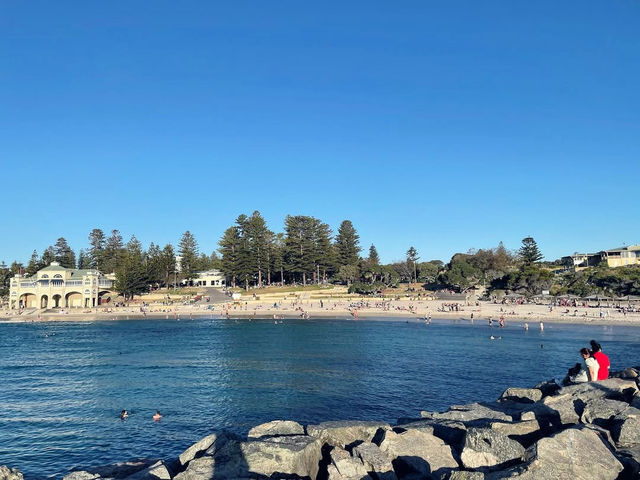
[
  {"x": 59, "y": 287},
  {"x": 210, "y": 278}
]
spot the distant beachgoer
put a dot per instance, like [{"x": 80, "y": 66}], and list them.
[
  {"x": 602, "y": 359},
  {"x": 541, "y": 326},
  {"x": 124, "y": 414},
  {"x": 492, "y": 337},
  {"x": 591, "y": 363},
  {"x": 157, "y": 416},
  {"x": 526, "y": 326}
]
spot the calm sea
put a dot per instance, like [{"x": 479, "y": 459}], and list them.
[{"x": 62, "y": 385}]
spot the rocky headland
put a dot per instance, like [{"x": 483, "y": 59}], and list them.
[{"x": 584, "y": 431}]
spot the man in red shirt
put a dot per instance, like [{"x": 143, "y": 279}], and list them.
[{"x": 602, "y": 359}]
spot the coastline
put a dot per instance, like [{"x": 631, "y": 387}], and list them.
[{"x": 361, "y": 308}]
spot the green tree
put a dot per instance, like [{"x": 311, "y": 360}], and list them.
[
  {"x": 529, "y": 251},
  {"x": 348, "y": 274},
  {"x": 84, "y": 262},
  {"x": 258, "y": 236},
  {"x": 168, "y": 264},
  {"x": 322, "y": 250},
  {"x": 5, "y": 279},
  {"x": 112, "y": 256},
  {"x": 460, "y": 273},
  {"x": 300, "y": 247},
  {"x": 214, "y": 261},
  {"x": 229, "y": 250},
  {"x": 374, "y": 259},
  {"x": 530, "y": 280},
  {"x": 347, "y": 244},
  {"x": 34, "y": 264},
  {"x": 154, "y": 261},
  {"x": 132, "y": 278},
  {"x": 412, "y": 258},
  {"x": 47, "y": 257},
  {"x": 188, "y": 250},
  {"x": 428, "y": 271},
  {"x": 96, "y": 249},
  {"x": 278, "y": 255},
  {"x": 63, "y": 253}
]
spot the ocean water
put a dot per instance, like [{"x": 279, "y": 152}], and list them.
[{"x": 62, "y": 385}]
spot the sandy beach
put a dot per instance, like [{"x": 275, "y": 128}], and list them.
[{"x": 348, "y": 307}]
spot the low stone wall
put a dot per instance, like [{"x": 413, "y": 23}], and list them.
[{"x": 585, "y": 431}]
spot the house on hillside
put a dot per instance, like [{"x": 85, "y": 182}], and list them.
[
  {"x": 623, "y": 256},
  {"x": 616, "y": 257},
  {"x": 59, "y": 287}
]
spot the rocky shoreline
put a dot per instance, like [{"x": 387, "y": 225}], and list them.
[{"x": 584, "y": 431}]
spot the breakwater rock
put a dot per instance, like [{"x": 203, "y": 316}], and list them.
[{"x": 584, "y": 431}]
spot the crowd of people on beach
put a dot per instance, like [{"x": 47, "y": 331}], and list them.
[
  {"x": 594, "y": 367},
  {"x": 451, "y": 307}
]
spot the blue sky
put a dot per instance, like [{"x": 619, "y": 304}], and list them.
[{"x": 443, "y": 125}]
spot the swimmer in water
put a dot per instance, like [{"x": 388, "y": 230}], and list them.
[
  {"x": 124, "y": 414},
  {"x": 157, "y": 416}
]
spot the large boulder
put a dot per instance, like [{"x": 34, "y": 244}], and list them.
[
  {"x": 114, "y": 471},
  {"x": 345, "y": 467},
  {"x": 201, "y": 446},
  {"x": 558, "y": 410},
  {"x": 625, "y": 428},
  {"x": 344, "y": 433},
  {"x": 202, "y": 468},
  {"x": 275, "y": 428},
  {"x": 471, "y": 412},
  {"x": 157, "y": 471},
  {"x": 375, "y": 460},
  {"x": 466, "y": 475},
  {"x": 419, "y": 452},
  {"x": 222, "y": 460},
  {"x": 630, "y": 458},
  {"x": 79, "y": 475},
  {"x": 486, "y": 447},
  {"x": 612, "y": 388},
  {"x": 575, "y": 453},
  {"x": 7, "y": 473},
  {"x": 516, "y": 429},
  {"x": 602, "y": 411},
  {"x": 524, "y": 395},
  {"x": 292, "y": 455},
  {"x": 525, "y": 432},
  {"x": 451, "y": 431}
]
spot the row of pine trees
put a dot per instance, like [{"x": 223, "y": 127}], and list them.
[
  {"x": 306, "y": 252},
  {"x": 249, "y": 254}
]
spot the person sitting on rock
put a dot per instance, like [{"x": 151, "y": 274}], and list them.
[
  {"x": 575, "y": 375},
  {"x": 591, "y": 363},
  {"x": 602, "y": 359}
]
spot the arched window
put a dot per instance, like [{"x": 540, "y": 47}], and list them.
[
  {"x": 45, "y": 276},
  {"x": 57, "y": 275}
]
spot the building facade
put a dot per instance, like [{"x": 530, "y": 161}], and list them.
[
  {"x": 621, "y": 257},
  {"x": 616, "y": 257},
  {"x": 59, "y": 287},
  {"x": 210, "y": 278}
]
